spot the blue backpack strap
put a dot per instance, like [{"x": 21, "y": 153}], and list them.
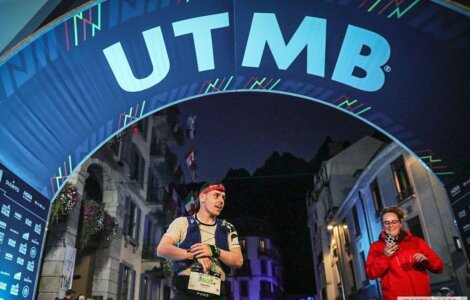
[
  {"x": 221, "y": 240},
  {"x": 221, "y": 235},
  {"x": 193, "y": 236}
]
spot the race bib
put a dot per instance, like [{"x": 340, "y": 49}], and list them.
[{"x": 204, "y": 282}]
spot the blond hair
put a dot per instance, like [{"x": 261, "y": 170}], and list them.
[{"x": 393, "y": 209}]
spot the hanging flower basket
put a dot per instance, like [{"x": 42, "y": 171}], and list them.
[
  {"x": 64, "y": 203},
  {"x": 108, "y": 233},
  {"x": 97, "y": 225}
]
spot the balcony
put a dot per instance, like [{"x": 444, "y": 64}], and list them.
[
  {"x": 155, "y": 198},
  {"x": 156, "y": 268}
]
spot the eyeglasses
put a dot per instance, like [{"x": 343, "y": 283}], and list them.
[{"x": 388, "y": 223}]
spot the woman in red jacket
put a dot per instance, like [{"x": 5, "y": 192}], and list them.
[{"x": 401, "y": 259}]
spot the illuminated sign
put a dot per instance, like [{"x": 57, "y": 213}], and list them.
[
  {"x": 92, "y": 74},
  {"x": 264, "y": 33},
  {"x": 23, "y": 215}
]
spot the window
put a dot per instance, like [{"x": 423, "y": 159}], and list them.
[
  {"x": 148, "y": 248},
  {"x": 265, "y": 288},
  {"x": 357, "y": 226},
  {"x": 262, "y": 247},
  {"x": 166, "y": 292},
  {"x": 243, "y": 245},
  {"x": 126, "y": 282},
  {"x": 244, "y": 288},
  {"x": 136, "y": 166},
  {"x": 400, "y": 177},
  {"x": 415, "y": 227},
  {"x": 131, "y": 220},
  {"x": 146, "y": 288},
  {"x": 153, "y": 190},
  {"x": 376, "y": 197},
  {"x": 264, "y": 267},
  {"x": 273, "y": 269}
]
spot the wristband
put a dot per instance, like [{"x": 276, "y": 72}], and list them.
[{"x": 215, "y": 251}]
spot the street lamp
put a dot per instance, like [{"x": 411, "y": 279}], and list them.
[{"x": 335, "y": 228}]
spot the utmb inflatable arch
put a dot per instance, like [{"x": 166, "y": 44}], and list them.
[{"x": 401, "y": 66}]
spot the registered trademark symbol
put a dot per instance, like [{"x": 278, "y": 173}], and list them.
[{"x": 387, "y": 68}]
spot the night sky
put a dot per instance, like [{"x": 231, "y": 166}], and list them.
[{"x": 241, "y": 130}]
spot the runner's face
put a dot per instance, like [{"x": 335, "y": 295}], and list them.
[{"x": 213, "y": 202}]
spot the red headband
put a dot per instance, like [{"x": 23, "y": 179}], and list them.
[{"x": 215, "y": 187}]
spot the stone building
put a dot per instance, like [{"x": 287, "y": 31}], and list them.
[
  {"x": 344, "y": 218},
  {"x": 129, "y": 178}
]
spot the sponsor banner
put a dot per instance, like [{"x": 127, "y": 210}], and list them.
[{"x": 23, "y": 216}]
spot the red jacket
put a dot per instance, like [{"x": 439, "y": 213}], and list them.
[{"x": 400, "y": 274}]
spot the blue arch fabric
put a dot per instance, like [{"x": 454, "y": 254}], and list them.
[{"x": 403, "y": 68}]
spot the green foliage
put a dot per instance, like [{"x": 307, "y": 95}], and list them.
[{"x": 64, "y": 203}]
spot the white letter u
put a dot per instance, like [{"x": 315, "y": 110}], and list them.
[{"x": 158, "y": 56}]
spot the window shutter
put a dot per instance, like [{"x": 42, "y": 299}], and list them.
[
  {"x": 147, "y": 228},
  {"x": 141, "y": 288},
  {"x": 125, "y": 227},
  {"x": 121, "y": 272},
  {"x": 138, "y": 224},
  {"x": 132, "y": 285}
]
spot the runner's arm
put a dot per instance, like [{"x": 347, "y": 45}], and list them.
[
  {"x": 232, "y": 258},
  {"x": 167, "y": 249}
]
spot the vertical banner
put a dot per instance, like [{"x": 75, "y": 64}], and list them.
[
  {"x": 67, "y": 270},
  {"x": 23, "y": 217}
]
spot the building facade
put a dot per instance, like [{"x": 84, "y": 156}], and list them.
[
  {"x": 129, "y": 179},
  {"x": 343, "y": 226},
  {"x": 261, "y": 274}
]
